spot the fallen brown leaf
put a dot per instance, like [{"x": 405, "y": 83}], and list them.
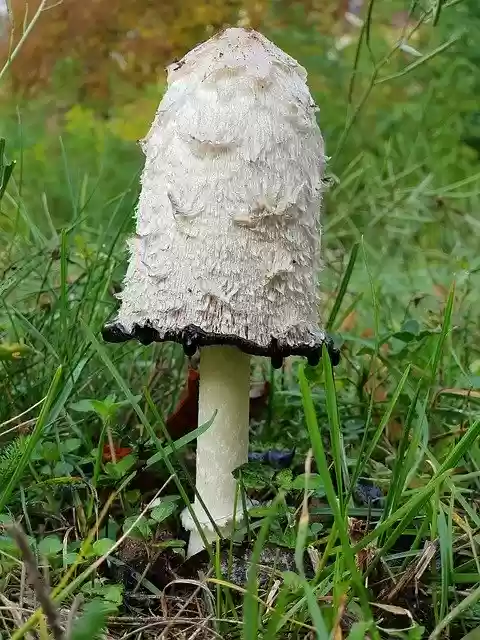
[
  {"x": 350, "y": 322},
  {"x": 394, "y": 430}
]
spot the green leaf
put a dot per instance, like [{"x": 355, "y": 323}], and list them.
[
  {"x": 163, "y": 452},
  {"x": 252, "y": 626},
  {"x": 6, "y": 519},
  {"x": 170, "y": 544},
  {"x": 163, "y": 511},
  {"x": 105, "y": 409},
  {"x": 71, "y": 444},
  {"x": 83, "y": 406},
  {"x": 255, "y": 475},
  {"x": 260, "y": 512},
  {"x": 181, "y": 442},
  {"x": 474, "y": 634},
  {"x": 11, "y": 352},
  {"x": 8, "y": 545},
  {"x": 419, "y": 61},
  {"x": 343, "y": 287},
  {"x": 167, "y": 498},
  {"x": 69, "y": 559},
  {"x": 358, "y": 631},
  {"x": 120, "y": 468},
  {"x": 409, "y": 509},
  {"x": 50, "y": 546},
  {"x": 323, "y": 467},
  {"x": 103, "y": 546},
  {"x": 287, "y": 538},
  {"x": 62, "y": 469},
  {"x": 91, "y": 624},
  {"x": 284, "y": 479},
  {"x": 133, "y": 496},
  {"x": 142, "y": 528},
  {"x": 411, "y": 326},
  {"x": 6, "y": 169},
  {"x": 46, "y": 413},
  {"x": 410, "y": 332},
  {"x": 314, "y": 482},
  {"x": 292, "y": 580},
  {"x": 113, "y": 593},
  {"x": 417, "y": 633},
  {"x": 316, "y": 528},
  {"x": 50, "y": 451}
]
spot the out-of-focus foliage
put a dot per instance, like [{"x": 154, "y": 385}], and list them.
[
  {"x": 102, "y": 42},
  {"x": 98, "y": 77}
]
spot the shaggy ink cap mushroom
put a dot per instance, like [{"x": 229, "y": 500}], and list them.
[
  {"x": 227, "y": 243},
  {"x": 226, "y": 254}
]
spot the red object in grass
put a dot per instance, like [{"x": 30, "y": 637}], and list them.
[
  {"x": 184, "y": 419},
  {"x": 120, "y": 452},
  {"x": 185, "y": 416}
]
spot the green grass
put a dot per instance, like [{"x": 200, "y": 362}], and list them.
[{"x": 401, "y": 413}]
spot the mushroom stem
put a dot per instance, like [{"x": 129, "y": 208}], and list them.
[{"x": 224, "y": 387}]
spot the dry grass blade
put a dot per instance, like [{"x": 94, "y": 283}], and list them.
[
  {"x": 414, "y": 571},
  {"x": 151, "y": 624},
  {"x": 393, "y": 609},
  {"x": 210, "y": 600},
  {"x": 463, "y": 393},
  {"x": 272, "y": 594},
  {"x": 22, "y": 427},
  {"x": 23, "y": 413},
  {"x": 13, "y": 54},
  {"x": 337, "y": 633},
  {"x": 15, "y": 612},
  {"x": 76, "y": 604},
  {"x": 41, "y": 588}
]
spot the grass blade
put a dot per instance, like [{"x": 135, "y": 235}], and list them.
[
  {"x": 322, "y": 465},
  {"x": 251, "y": 616},
  {"x": 420, "y": 61},
  {"x": 408, "y": 511},
  {"x": 343, "y": 287},
  {"x": 32, "y": 441}
]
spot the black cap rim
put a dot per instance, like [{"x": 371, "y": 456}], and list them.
[{"x": 193, "y": 337}]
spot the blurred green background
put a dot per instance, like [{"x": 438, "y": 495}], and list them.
[{"x": 87, "y": 82}]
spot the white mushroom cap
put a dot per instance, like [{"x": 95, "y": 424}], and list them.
[{"x": 227, "y": 240}]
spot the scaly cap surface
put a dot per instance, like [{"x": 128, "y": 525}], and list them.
[{"x": 227, "y": 240}]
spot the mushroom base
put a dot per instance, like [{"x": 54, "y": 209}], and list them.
[
  {"x": 192, "y": 338},
  {"x": 225, "y": 526}
]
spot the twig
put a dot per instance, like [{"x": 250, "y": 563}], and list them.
[
  {"x": 191, "y": 622},
  {"x": 22, "y": 425},
  {"x": 14, "y": 611},
  {"x": 39, "y": 585},
  {"x": 72, "y": 613},
  {"x": 26, "y": 33},
  {"x": 20, "y": 415}
]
